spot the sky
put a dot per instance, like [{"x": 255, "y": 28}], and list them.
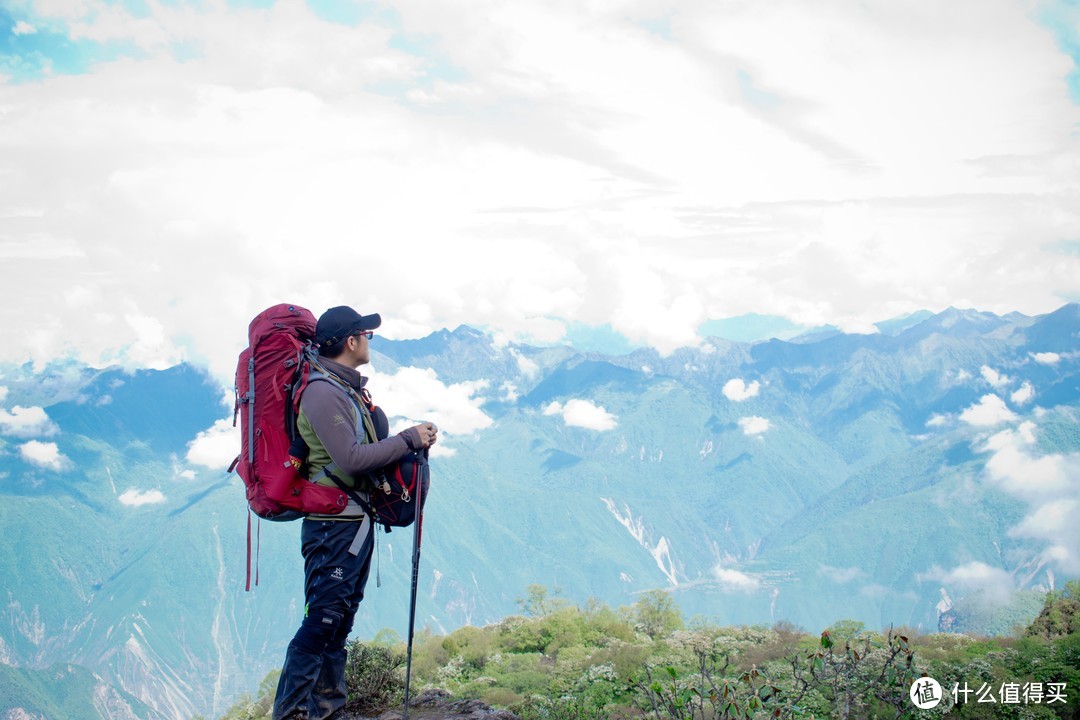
[{"x": 625, "y": 173}]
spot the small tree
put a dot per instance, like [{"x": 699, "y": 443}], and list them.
[
  {"x": 657, "y": 614},
  {"x": 536, "y": 602},
  {"x": 708, "y": 695},
  {"x": 853, "y": 679}
]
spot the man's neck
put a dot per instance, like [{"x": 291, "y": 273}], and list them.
[{"x": 349, "y": 374}]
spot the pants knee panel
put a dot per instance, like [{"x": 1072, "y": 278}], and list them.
[{"x": 320, "y": 631}]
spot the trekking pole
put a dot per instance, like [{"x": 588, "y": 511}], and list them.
[{"x": 417, "y": 535}]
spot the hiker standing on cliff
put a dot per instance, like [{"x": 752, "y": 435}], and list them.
[{"x": 343, "y": 435}]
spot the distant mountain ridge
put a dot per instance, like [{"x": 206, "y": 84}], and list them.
[{"x": 823, "y": 478}]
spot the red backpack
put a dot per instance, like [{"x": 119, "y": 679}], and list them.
[{"x": 271, "y": 375}]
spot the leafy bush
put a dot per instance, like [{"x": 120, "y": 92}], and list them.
[{"x": 372, "y": 674}]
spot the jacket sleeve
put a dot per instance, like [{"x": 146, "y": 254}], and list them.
[{"x": 333, "y": 416}]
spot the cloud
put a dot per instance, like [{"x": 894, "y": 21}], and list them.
[
  {"x": 3, "y": 393},
  {"x": 582, "y": 413},
  {"x": 735, "y": 581},
  {"x": 1046, "y": 358},
  {"x": 974, "y": 576},
  {"x": 1048, "y": 485},
  {"x": 149, "y": 347},
  {"x": 43, "y": 454},
  {"x": 990, "y": 410},
  {"x": 527, "y": 366},
  {"x": 754, "y": 425},
  {"x": 992, "y": 376},
  {"x": 418, "y": 394},
  {"x": 26, "y": 422},
  {"x": 1016, "y": 470},
  {"x": 840, "y": 576},
  {"x": 23, "y": 28},
  {"x": 215, "y": 447},
  {"x": 138, "y": 498},
  {"x": 858, "y": 182},
  {"x": 509, "y": 392},
  {"x": 1026, "y": 431},
  {"x": 440, "y": 449},
  {"x": 737, "y": 390},
  {"x": 937, "y": 420},
  {"x": 874, "y": 590},
  {"x": 1023, "y": 394}
]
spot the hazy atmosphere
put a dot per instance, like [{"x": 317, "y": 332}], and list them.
[{"x": 624, "y": 172}]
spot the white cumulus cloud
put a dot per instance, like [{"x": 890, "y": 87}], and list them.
[
  {"x": 215, "y": 447},
  {"x": 418, "y": 394},
  {"x": 150, "y": 345},
  {"x": 582, "y": 413},
  {"x": 1023, "y": 394},
  {"x": 735, "y": 581},
  {"x": 43, "y": 454},
  {"x": 23, "y": 28},
  {"x": 509, "y": 392},
  {"x": 1048, "y": 484},
  {"x": 754, "y": 425},
  {"x": 26, "y": 422},
  {"x": 138, "y": 498},
  {"x": 527, "y": 366},
  {"x": 990, "y": 410},
  {"x": 974, "y": 576},
  {"x": 1047, "y": 358},
  {"x": 992, "y": 376},
  {"x": 737, "y": 390}
]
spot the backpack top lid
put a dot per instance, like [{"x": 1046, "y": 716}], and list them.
[{"x": 298, "y": 320}]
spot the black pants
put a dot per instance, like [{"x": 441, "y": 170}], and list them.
[{"x": 312, "y": 682}]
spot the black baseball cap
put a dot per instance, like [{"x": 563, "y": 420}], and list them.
[{"x": 340, "y": 322}]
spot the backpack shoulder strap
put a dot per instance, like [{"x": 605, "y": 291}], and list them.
[
  {"x": 333, "y": 471},
  {"x": 362, "y": 399}
]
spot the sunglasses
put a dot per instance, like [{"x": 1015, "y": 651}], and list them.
[{"x": 366, "y": 333}]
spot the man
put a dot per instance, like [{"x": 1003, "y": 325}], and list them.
[{"x": 340, "y": 432}]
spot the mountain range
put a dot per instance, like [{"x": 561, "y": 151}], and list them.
[{"x": 903, "y": 477}]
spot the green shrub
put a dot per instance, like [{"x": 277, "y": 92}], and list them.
[
  {"x": 373, "y": 677},
  {"x": 500, "y": 697},
  {"x": 473, "y": 644}
]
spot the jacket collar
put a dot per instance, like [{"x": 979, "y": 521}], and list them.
[{"x": 350, "y": 376}]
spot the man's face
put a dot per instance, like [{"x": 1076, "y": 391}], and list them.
[{"x": 358, "y": 348}]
